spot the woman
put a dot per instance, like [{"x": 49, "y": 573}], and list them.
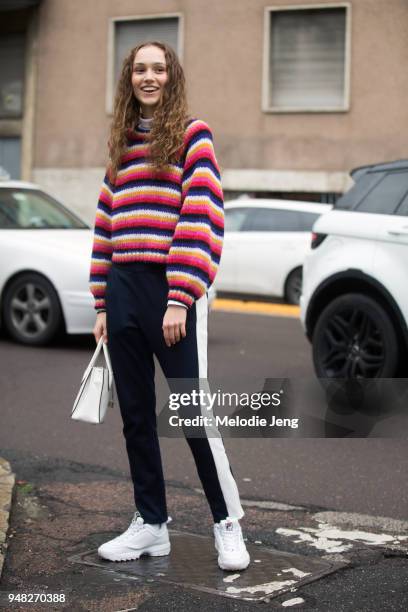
[{"x": 157, "y": 245}]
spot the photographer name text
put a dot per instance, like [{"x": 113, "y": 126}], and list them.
[{"x": 232, "y": 421}]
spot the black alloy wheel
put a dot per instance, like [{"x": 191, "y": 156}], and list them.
[
  {"x": 355, "y": 338},
  {"x": 293, "y": 287},
  {"x": 31, "y": 310}
]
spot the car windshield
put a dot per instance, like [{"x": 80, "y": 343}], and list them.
[{"x": 34, "y": 209}]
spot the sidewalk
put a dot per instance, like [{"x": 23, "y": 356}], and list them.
[{"x": 66, "y": 510}]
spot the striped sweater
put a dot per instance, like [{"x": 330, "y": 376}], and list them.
[{"x": 174, "y": 217}]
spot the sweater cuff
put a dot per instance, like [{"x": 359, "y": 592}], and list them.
[
  {"x": 100, "y": 304},
  {"x": 181, "y": 298}
]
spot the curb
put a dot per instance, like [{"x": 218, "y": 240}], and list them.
[
  {"x": 254, "y": 307},
  {"x": 7, "y": 481}
]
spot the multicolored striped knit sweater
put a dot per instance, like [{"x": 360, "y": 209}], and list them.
[{"x": 175, "y": 217}]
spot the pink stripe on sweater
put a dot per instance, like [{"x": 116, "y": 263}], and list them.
[
  {"x": 194, "y": 128},
  {"x": 203, "y": 150},
  {"x": 102, "y": 223},
  {"x": 203, "y": 209},
  {"x": 144, "y": 221},
  {"x": 100, "y": 270},
  {"x": 144, "y": 196},
  {"x": 103, "y": 248},
  {"x": 138, "y": 245},
  {"x": 191, "y": 234},
  {"x": 188, "y": 260},
  {"x": 105, "y": 197},
  {"x": 134, "y": 174},
  {"x": 202, "y": 181},
  {"x": 185, "y": 283},
  {"x": 141, "y": 151}
]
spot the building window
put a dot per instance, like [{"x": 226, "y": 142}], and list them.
[
  {"x": 10, "y": 157},
  {"x": 126, "y": 33},
  {"x": 12, "y": 52},
  {"x": 306, "y": 58}
]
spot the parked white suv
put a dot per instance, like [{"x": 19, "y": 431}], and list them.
[{"x": 354, "y": 306}]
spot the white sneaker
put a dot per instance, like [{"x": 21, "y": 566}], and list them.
[
  {"x": 232, "y": 552},
  {"x": 139, "y": 538}
]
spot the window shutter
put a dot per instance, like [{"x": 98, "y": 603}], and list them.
[
  {"x": 307, "y": 58},
  {"x": 12, "y": 50},
  {"x": 129, "y": 34}
]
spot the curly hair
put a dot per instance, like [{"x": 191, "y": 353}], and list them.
[{"x": 169, "y": 119}]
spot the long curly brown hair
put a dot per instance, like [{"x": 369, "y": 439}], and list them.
[{"x": 169, "y": 119}]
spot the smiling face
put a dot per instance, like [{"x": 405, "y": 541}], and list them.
[{"x": 149, "y": 76}]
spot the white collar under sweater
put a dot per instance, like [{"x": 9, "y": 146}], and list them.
[{"x": 145, "y": 123}]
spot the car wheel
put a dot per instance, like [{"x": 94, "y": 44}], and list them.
[
  {"x": 31, "y": 310},
  {"x": 293, "y": 286},
  {"x": 354, "y": 338}
]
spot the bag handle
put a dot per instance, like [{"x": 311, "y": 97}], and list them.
[
  {"x": 108, "y": 363},
  {"x": 100, "y": 344}
]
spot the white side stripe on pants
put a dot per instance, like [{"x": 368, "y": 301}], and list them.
[{"x": 228, "y": 485}]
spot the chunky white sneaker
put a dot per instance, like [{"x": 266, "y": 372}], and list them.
[
  {"x": 139, "y": 538},
  {"x": 232, "y": 552}
]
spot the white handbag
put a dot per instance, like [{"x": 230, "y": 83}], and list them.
[{"x": 96, "y": 391}]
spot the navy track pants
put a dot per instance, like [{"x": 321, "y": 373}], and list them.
[{"x": 136, "y": 301}]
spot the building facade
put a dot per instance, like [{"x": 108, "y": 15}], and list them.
[{"x": 296, "y": 93}]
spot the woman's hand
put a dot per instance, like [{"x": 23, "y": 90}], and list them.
[
  {"x": 100, "y": 328},
  {"x": 174, "y": 324}
]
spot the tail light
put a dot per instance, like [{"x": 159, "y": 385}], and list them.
[{"x": 317, "y": 239}]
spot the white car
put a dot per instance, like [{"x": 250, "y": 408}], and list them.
[
  {"x": 354, "y": 306},
  {"x": 265, "y": 243},
  {"x": 45, "y": 254}
]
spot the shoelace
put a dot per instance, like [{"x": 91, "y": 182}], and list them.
[
  {"x": 136, "y": 525},
  {"x": 231, "y": 538},
  {"x": 137, "y": 520}
]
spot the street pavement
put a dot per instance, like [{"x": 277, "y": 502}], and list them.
[
  {"x": 63, "y": 509},
  {"x": 320, "y": 499},
  {"x": 38, "y": 386}
]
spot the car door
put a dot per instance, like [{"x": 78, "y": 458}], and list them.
[
  {"x": 269, "y": 249},
  {"x": 236, "y": 219},
  {"x": 391, "y": 249}
]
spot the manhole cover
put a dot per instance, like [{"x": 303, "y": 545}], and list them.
[{"x": 192, "y": 563}]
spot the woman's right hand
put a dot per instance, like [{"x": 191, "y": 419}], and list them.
[{"x": 100, "y": 328}]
